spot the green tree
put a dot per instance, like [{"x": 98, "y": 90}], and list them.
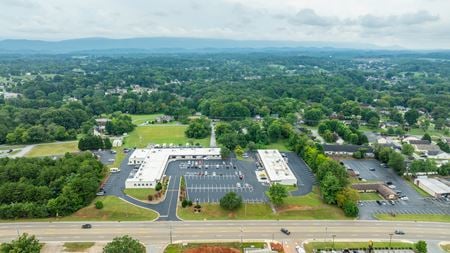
[
  {"x": 350, "y": 208},
  {"x": 313, "y": 116},
  {"x": 198, "y": 128},
  {"x": 397, "y": 162},
  {"x": 124, "y": 244},
  {"x": 225, "y": 152},
  {"x": 277, "y": 193},
  {"x": 426, "y": 137},
  {"x": 231, "y": 201},
  {"x": 411, "y": 116},
  {"x": 239, "y": 151},
  {"x": 24, "y": 244},
  {"x": 329, "y": 187},
  {"x": 407, "y": 149},
  {"x": 421, "y": 246}
]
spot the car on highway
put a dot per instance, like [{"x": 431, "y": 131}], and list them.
[
  {"x": 372, "y": 169},
  {"x": 285, "y": 231},
  {"x": 86, "y": 226},
  {"x": 399, "y": 232}
]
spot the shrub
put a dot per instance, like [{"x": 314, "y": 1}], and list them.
[
  {"x": 158, "y": 186},
  {"x": 99, "y": 204},
  {"x": 184, "y": 203},
  {"x": 189, "y": 202},
  {"x": 150, "y": 197}
]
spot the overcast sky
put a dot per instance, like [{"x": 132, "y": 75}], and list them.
[{"x": 406, "y": 23}]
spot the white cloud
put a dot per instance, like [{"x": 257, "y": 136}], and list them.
[{"x": 408, "y": 23}]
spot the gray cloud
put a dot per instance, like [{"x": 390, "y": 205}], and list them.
[
  {"x": 309, "y": 17},
  {"x": 406, "y": 19}
]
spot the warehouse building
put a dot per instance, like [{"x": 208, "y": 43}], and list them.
[
  {"x": 153, "y": 163},
  {"x": 276, "y": 167},
  {"x": 432, "y": 186}
]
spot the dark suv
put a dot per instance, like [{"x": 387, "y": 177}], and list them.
[
  {"x": 285, "y": 231},
  {"x": 85, "y": 226}
]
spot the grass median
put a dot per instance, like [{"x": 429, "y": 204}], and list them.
[
  {"x": 140, "y": 193},
  {"x": 213, "y": 247},
  {"x": 77, "y": 246},
  {"x": 414, "y": 217},
  {"x": 309, "y": 247}
]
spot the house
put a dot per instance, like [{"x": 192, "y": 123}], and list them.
[
  {"x": 346, "y": 150},
  {"x": 101, "y": 124},
  {"x": 389, "y": 124},
  {"x": 425, "y": 148},
  {"x": 419, "y": 142},
  {"x": 379, "y": 187},
  {"x": 438, "y": 156}
]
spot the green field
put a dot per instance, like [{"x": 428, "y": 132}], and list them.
[
  {"x": 414, "y": 217},
  {"x": 77, "y": 246},
  {"x": 369, "y": 196},
  {"x": 354, "y": 245},
  {"x": 180, "y": 248},
  {"x": 50, "y": 149},
  {"x": 140, "y": 193},
  {"x": 138, "y": 119},
  {"x": 281, "y": 145},
  {"x": 308, "y": 207},
  {"x": 159, "y": 134}
]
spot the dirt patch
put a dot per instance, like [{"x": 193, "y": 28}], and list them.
[
  {"x": 276, "y": 247},
  {"x": 212, "y": 249},
  {"x": 294, "y": 208}
]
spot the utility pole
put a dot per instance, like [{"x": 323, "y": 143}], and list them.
[
  {"x": 325, "y": 237},
  {"x": 334, "y": 236},
  {"x": 241, "y": 235},
  {"x": 390, "y": 241}
]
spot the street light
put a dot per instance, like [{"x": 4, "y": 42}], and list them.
[
  {"x": 241, "y": 235},
  {"x": 170, "y": 233},
  {"x": 390, "y": 241}
]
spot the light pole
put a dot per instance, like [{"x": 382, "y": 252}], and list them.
[
  {"x": 170, "y": 233},
  {"x": 325, "y": 237},
  {"x": 390, "y": 241},
  {"x": 334, "y": 236},
  {"x": 241, "y": 236}
]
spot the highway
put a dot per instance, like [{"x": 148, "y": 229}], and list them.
[{"x": 161, "y": 233}]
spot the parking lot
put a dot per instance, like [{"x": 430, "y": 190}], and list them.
[
  {"x": 210, "y": 180},
  {"x": 373, "y": 170}
]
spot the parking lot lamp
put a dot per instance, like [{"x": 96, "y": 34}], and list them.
[
  {"x": 334, "y": 236},
  {"x": 390, "y": 241}
]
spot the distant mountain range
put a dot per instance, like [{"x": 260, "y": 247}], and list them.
[{"x": 164, "y": 44}]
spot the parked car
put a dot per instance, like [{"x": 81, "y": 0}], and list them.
[
  {"x": 379, "y": 202},
  {"x": 388, "y": 182},
  {"x": 285, "y": 231},
  {"x": 372, "y": 169},
  {"x": 86, "y": 226}
]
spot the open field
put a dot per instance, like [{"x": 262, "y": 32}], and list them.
[
  {"x": 140, "y": 193},
  {"x": 179, "y": 248},
  {"x": 369, "y": 196},
  {"x": 354, "y": 245},
  {"x": 414, "y": 217},
  {"x": 308, "y": 207},
  {"x": 77, "y": 246},
  {"x": 159, "y": 134},
  {"x": 57, "y": 148},
  {"x": 138, "y": 119}
]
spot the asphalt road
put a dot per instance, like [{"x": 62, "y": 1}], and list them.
[{"x": 157, "y": 234}]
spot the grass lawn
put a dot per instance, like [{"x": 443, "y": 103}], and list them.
[
  {"x": 142, "y": 118},
  {"x": 281, "y": 145},
  {"x": 354, "y": 245},
  {"x": 179, "y": 248},
  {"x": 417, "y": 189},
  {"x": 308, "y": 207},
  {"x": 369, "y": 196},
  {"x": 431, "y": 131},
  {"x": 50, "y": 149},
  {"x": 77, "y": 246},
  {"x": 445, "y": 247},
  {"x": 140, "y": 193},
  {"x": 159, "y": 134},
  {"x": 414, "y": 217}
]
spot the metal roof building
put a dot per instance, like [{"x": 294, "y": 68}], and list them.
[{"x": 433, "y": 186}]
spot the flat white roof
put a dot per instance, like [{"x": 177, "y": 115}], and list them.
[
  {"x": 434, "y": 185},
  {"x": 275, "y": 165},
  {"x": 140, "y": 153},
  {"x": 156, "y": 160}
]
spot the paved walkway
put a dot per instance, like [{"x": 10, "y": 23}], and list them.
[{"x": 212, "y": 140}]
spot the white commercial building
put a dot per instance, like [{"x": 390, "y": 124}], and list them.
[
  {"x": 432, "y": 186},
  {"x": 153, "y": 162},
  {"x": 276, "y": 167}
]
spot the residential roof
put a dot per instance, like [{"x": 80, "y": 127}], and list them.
[
  {"x": 419, "y": 142},
  {"x": 427, "y": 147},
  {"x": 345, "y": 148}
]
